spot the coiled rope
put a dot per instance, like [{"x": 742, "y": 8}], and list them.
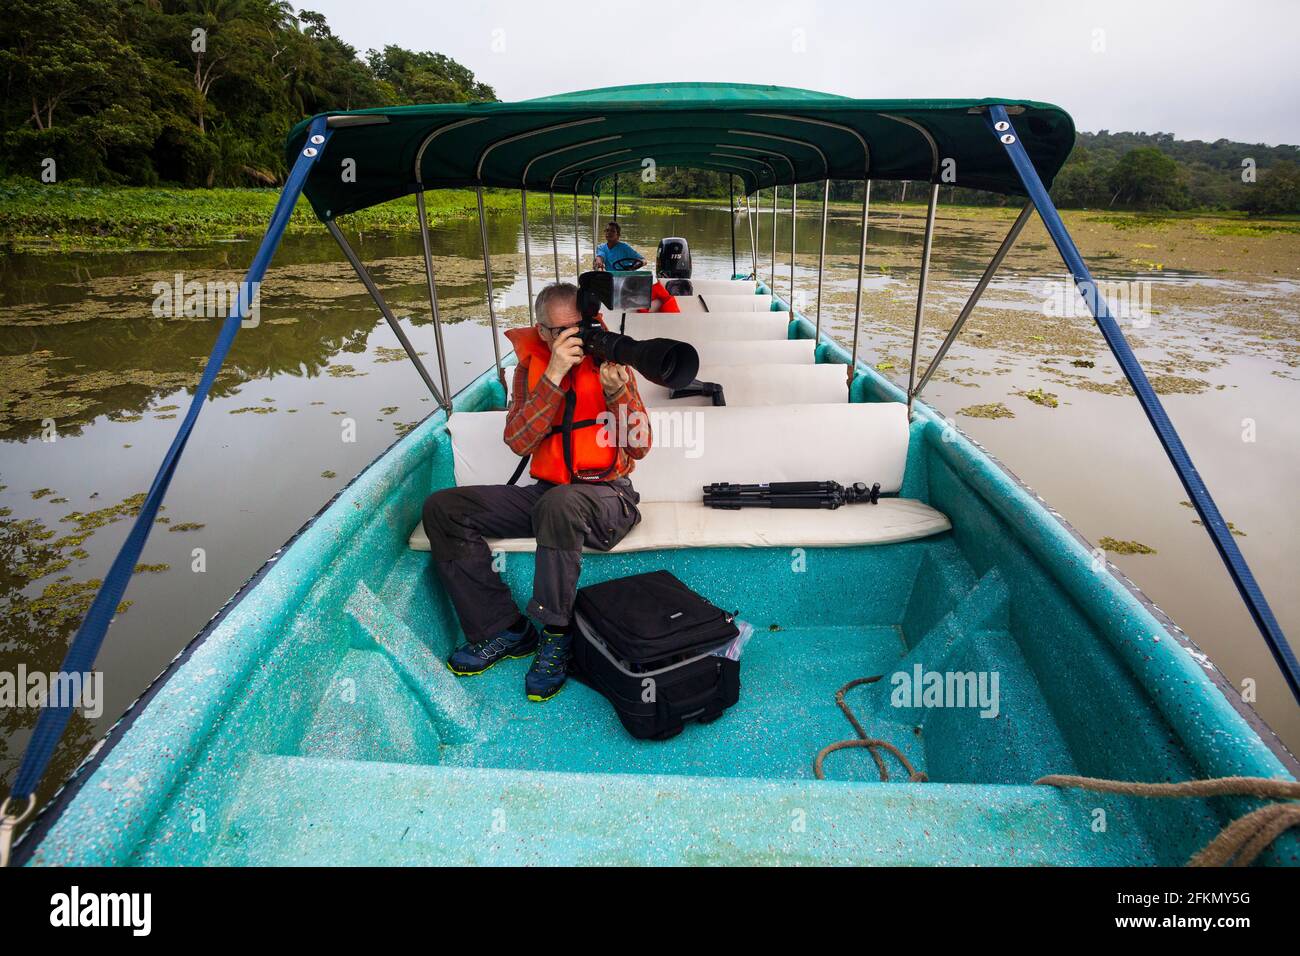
[
  {"x": 1238, "y": 844},
  {"x": 873, "y": 744}
]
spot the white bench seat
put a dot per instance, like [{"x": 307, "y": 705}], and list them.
[
  {"x": 758, "y": 352},
  {"x": 696, "y": 446},
  {"x": 701, "y": 327},
  {"x": 781, "y": 352},
  {"x": 723, "y": 286},
  {"x": 713, "y": 302},
  {"x": 761, "y": 385},
  {"x": 689, "y": 524}
]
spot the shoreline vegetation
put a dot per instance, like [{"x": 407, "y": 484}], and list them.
[
  {"x": 57, "y": 218},
  {"x": 154, "y": 125}
]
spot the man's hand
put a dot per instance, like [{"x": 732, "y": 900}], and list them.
[
  {"x": 612, "y": 378},
  {"x": 566, "y": 352}
]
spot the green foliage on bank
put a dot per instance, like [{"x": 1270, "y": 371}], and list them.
[
  {"x": 193, "y": 92},
  {"x": 36, "y": 216},
  {"x": 200, "y": 93}
]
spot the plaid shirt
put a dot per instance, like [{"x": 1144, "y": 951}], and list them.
[{"x": 531, "y": 415}]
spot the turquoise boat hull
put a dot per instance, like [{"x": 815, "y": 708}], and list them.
[{"x": 314, "y": 722}]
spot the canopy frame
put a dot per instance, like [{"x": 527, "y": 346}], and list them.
[
  {"x": 990, "y": 270},
  {"x": 921, "y": 286}
]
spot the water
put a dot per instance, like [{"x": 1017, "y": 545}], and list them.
[{"x": 80, "y": 347}]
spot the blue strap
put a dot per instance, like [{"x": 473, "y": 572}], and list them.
[
  {"x": 1155, "y": 412},
  {"x": 84, "y": 648}
]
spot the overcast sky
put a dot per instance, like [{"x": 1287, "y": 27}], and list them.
[{"x": 1201, "y": 69}]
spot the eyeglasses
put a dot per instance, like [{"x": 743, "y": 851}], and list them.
[{"x": 554, "y": 330}]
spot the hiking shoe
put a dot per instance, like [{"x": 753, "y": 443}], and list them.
[
  {"x": 478, "y": 656},
  {"x": 550, "y": 668}
]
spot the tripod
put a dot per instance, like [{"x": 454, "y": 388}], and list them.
[{"x": 789, "y": 494}]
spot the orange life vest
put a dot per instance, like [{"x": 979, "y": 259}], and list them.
[
  {"x": 571, "y": 450},
  {"x": 667, "y": 303}
]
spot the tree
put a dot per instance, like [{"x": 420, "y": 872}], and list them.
[
  {"x": 73, "y": 87},
  {"x": 1278, "y": 190},
  {"x": 1146, "y": 178},
  {"x": 426, "y": 77}
]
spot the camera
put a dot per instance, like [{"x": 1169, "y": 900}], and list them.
[{"x": 665, "y": 362}]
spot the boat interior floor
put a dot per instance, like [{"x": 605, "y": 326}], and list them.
[
  {"x": 804, "y": 649},
  {"x": 785, "y": 715},
  {"x": 402, "y": 762}
]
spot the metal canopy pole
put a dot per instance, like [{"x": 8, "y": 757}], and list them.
[
  {"x": 753, "y": 239},
  {"x": 555, "y": 238},
  {"x": 577, "y": 253},
  {"x": 616, "y": 197},
  {"x": 595, "y": 221},
  {"x": 821, "y": 257},
  {"x": 758, "y": 227},
  {"x": 1000, "y": 126},
  {"x": 433, "y": 296},
  {"x": 866, "y": 198},
  {"x": 731, "y": 189},
  {"x": 920, "y": 290},
  {"x": 994, "y": 264},
  {"x": 487, "y": 274},
  {"x": 773, "y": 272},
  {"x": 378, "y": 296},
  {"x": 862, "y": 264},
  {"x": 528, "y": 256},
  {"x": 794, "y": 199}
]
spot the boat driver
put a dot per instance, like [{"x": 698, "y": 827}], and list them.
[
  {"x": 614, "y": 253},
  {"x": 582, "y": 496}
]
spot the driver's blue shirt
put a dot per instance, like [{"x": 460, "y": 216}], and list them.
[{"x": 616, "y": 253}]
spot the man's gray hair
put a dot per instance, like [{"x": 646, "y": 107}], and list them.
[{"x": 555, "y": 292}]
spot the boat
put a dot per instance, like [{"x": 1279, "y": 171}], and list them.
[{"x": 313, "y": 720}]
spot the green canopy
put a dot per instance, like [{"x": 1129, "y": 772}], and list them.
[{"x": 765, "y": 135}]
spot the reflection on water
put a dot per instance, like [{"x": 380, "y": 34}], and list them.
[{"x": 79, "y": 346}]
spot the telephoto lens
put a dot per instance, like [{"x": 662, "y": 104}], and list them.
[{"x": 665, "y": 362}]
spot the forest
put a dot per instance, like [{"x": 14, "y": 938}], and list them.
[{"x": 199, "y": 93}]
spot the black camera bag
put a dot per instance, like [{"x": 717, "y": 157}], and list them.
[{"x": 646, "y": 643}]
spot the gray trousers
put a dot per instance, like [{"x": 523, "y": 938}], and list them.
[{"x": 563, "y": 518}]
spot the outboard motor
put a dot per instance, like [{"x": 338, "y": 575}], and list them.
[{"x": 673, "y": 265}]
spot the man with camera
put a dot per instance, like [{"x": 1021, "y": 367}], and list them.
[{"x": 568, "y": 412}]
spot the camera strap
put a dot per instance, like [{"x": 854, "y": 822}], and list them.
[{"x": 519, "y": 469}]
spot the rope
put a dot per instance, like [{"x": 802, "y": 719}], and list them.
[
  {"x": 873, "y": 744},
  {"x": 1239, "y": 843}
]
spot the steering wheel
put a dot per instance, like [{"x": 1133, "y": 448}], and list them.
[{"x": 626, "y": 264}]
